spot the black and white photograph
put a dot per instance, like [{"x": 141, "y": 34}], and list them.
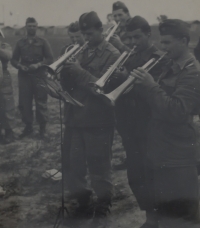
[{"x": 99, "y": 114}]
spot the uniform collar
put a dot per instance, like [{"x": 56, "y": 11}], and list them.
[
  {"x": 99, "y": 50},
  {"x": 180, "y": 65},
  {"x": 34, "y": 38}
]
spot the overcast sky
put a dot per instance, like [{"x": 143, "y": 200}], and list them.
[{"x": 63, "y": 12}]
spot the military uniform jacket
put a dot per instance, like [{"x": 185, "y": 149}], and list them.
[
  {"x": 5, "y": 56},
  {"x": 132, "y": 110},
  {"x": 31, "y": 51},
  {"x": 95, "y": 112},
  {"x": 173, "y": 101}
]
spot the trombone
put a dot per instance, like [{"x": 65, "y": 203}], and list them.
[
  {"x": 49, "y": 73},
  {"x": 113, "y": 96},
  {"x": 110, "y": 31},
  {"x": 118, "y": 65}
]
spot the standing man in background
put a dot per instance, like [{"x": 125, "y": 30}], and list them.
[
  {"x": 29, "y": 54},
  {"x": 7, "y": 103},
  {"x": 121, "y": 15}
]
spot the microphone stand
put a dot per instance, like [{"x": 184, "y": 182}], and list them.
[{"x": 61, "y": 213}]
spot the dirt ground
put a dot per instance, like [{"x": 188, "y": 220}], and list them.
[{"x": 33, "y": 201}]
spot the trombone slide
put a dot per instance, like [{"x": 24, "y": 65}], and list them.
[
  {"x": 113, "y": 29},
  {"x": 99, "y": 84}
]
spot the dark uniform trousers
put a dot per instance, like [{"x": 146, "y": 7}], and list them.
[
  {"x": 28, "y": 89},
  {"x": 171, "y": 173},
  {"x": 136, "y": 153},
  {"x": 7, "y": 103},
  {"x": 132, "y": 114},
  {"x": 91, "y": 146}
]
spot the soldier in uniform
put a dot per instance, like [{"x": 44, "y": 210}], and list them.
[
  {"x": 133, "y": 112},
  {"x": 119, "y": 39},
  {"x": 7, "y": 104},
  {"x": 29, "y": 54},
  {"x": 171, "y": 138},
  {"x": 75, "y": 36},
  {"x": 90, "y": 128}
]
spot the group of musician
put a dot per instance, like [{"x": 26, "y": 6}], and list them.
[{"x": 153, "y": 114}]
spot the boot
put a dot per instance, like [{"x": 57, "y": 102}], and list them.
[
  {"x": 9, "y": 136},
  {"x": 85, "y": 208},
  {"x": 42, "y": 130},
  {"x": 28, "y": 130},
  {"x": 102, "y": 209}
]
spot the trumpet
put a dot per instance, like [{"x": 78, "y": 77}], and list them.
[
  {"x": 49, "y": 73},
  {"x": 113, "y": 96},
  {"x": 118, "y": 65},
  {"x": 110, "y": 31}
]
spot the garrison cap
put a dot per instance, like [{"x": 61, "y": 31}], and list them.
[
  {"x": 89, "y": 20},
  {"x": 119, "y": 5},
  {"x": 174, "y": 27},
  {"x": 31, "y": 20},
  {"x": 138, "y": 22},
  {"x": 74, "y": 27}
]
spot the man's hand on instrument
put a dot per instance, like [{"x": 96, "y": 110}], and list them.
[
  {"x": 74, "y": 67},
  {"x": 22, "y": 67},
  {"x": 34, "y": 66},
  {"x": 120, "y": 75},
  {"x": 143, "y": 77},
  {"x": 116, "y": 41}
]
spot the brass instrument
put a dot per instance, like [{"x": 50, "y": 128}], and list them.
[
  {"x": 110, "y": 31},
  {"x": 118, "y": 65},
  {"x": 49, "y": 73},
  {"x": 113, "y": 96}
]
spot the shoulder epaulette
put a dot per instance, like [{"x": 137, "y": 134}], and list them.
[{"x": 111, "y": 48}]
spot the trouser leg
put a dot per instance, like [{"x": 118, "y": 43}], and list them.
[
  {"x": 26, "y": 98},
  {"x": 136, "y": 153},
  {"x": 99, "y": 153},
  {"x": 8, "y": 112},
  {"x": 77, "y": 173},
  {"x": 41, "y": 102}
]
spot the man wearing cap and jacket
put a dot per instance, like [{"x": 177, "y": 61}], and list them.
[
  {"x": 121, "y": 15},
  {"x": 7, "y": 103},
  {"x": 171, "y": 138},
  {"x": 133, "y": 112},
  {"x": 29, "y": 54},
  {"x": 91, "y": 126},
  {"x": 76, "y": 37}
]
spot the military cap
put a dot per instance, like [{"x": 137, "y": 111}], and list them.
[
  {"x": 138, "y": 22},
  {"x": 74, "y": 27},
  {"x": 31, "y": 20},
  {"x": 174, "y": 27},
  {"x": 119, "y": 5},
  {"x": 89, "y": 20}
]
